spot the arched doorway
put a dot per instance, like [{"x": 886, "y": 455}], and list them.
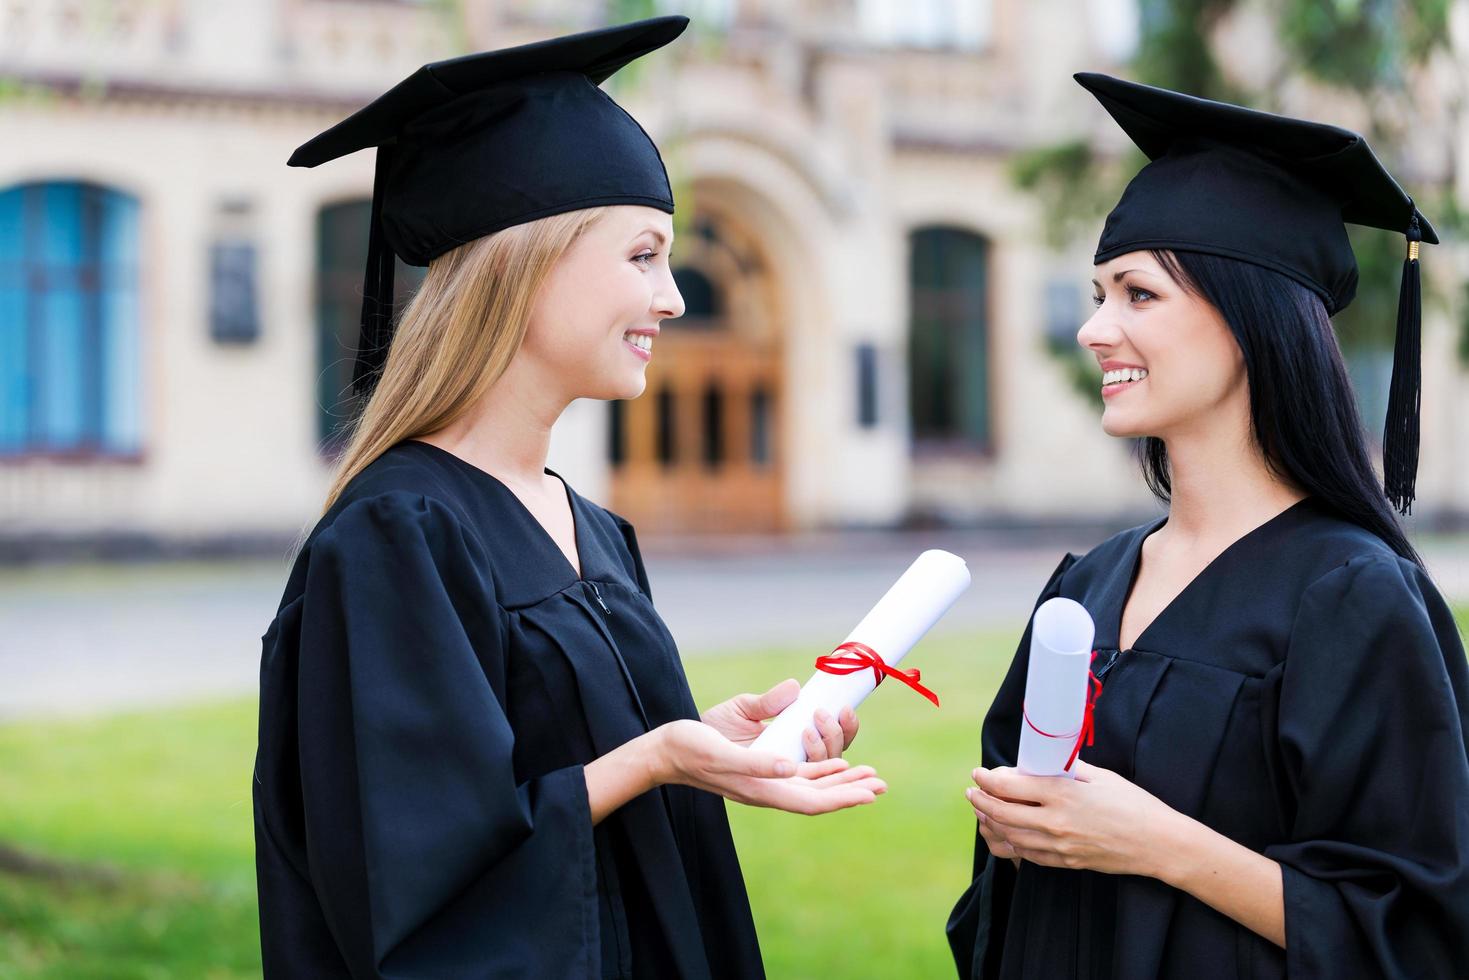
[{"x": 700, "y": 450}]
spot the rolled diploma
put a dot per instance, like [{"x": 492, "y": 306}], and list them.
[
  {"x": 915, "y": 602},
  {"x": 1055, "y": 686}
]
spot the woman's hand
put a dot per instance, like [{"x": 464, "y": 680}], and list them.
[
  {"x": 696, "y": 754},
  {"x": 742, "y": 718},
  {"x": 1099, "y": 820},
  {"x": 1103, "y": 822}
]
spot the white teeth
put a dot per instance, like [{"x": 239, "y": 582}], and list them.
[
  {"x": 1120, "y": 375},
  {"x": 642, "y": 341}
]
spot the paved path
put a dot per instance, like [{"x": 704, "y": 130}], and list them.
[{"x": 96, "y": 638}]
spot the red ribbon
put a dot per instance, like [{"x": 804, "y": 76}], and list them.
[
  {"x": 1086, "y": 733},
  {"x": 852, "y": 658}
]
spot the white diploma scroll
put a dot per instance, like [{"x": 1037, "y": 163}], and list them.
[
  {"x": 915, "y": 602},
  {"x": 1055, "y": 686}
]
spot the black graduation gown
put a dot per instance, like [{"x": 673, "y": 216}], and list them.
[
  {"x": 1305, "y": 696},
  {"x": 432, "y": 685}
]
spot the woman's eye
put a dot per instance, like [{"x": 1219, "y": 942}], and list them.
[
  {"x": 1098, "y": 300},
  {"x": 1138, "y": 295},
  {"x": 644, "y": 257}
]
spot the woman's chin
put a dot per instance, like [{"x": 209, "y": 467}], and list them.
[
  {"x": 1119, "y": 426},
  {"x": 626, "y": 388}
]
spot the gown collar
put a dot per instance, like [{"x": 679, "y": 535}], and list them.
[
  {"x": 557, "y": 572},
  {"x": 1249, "y": 548}
]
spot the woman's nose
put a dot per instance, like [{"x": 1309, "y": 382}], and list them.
[
  {"x": 668, "y": 304},
  {"x": 1100, "y": 331}
]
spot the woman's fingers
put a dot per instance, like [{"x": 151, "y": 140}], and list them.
[
  {"x": 997, "y": 844},
  {"x": 1015, "y": 786},
  {"x": 835, "y": 791},
  {"x": 758, "y": 707},
  {"x": 832, "y": 737},
  {"x": 823, "y": 767},
  {"x": 737, "y": 760},
  {"x": 829, "y": 736},
  {"x": 816, "y": 749},
  {"x": 1029, "y": 840},
  {"x": 1005, "y": 812},
  {"x": 845, "y": 776},
  {"x": 973, "y": 795},
  {"x": 711, "y": 762},
  {"x": 793, "y": 796},
  {"x": 987, "y": 826},
  {"x": 1006, "y": 841},
  {"x": 831, "y": 801},
  {"x": 1085, "y": 772},
  {"x": 778, "y": 698},
  {"x": 995, "y": 837},
  {"x": 873, "y": 784}
]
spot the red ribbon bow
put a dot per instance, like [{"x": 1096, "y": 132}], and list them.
[
  {"x": 852, "y": 658},
  {"x": 1086, "y": 733}
]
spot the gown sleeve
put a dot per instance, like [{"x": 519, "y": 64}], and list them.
[
  {"x": 1371, "y": 741},
  {"x": 976, "y": 926},
  {"x": 427, "y": 855}
]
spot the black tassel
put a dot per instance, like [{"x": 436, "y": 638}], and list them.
[
  {"x": 1400, "y": 436},
  {"x": 377, "y": 292}
]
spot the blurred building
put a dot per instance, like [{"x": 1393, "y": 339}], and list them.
[{"x": 869, "y": 298}]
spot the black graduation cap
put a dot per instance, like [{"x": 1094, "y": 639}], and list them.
[
  {"x": 1276, "y": 192},
  {"x": 472, "y": 145}
]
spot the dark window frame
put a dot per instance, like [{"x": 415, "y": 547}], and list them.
[{"x": 951, "y": 407}]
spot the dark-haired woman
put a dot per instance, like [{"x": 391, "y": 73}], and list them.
[{"x": 1277, "y": 781}]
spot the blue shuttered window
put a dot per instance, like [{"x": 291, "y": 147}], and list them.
[{"x": 69, "y": 352}]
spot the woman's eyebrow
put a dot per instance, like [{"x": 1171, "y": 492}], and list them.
[{"x": 656, "y": 233}]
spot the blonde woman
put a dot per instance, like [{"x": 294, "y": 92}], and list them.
[{"x": 478, "y": 752}]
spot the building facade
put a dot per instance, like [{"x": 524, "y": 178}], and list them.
[{"x": 870, "y": 299}]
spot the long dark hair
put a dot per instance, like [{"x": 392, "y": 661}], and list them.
[{"x": 1302, "y": 408}]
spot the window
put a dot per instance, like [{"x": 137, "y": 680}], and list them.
[
  {"x": 617, "y": 432},
  {"x": 948, "y": 339},
  {"x": 341, "y": 260},
  {"x": 711, "y": 15},
  {"x": 713, "y": 415},
  {"x": 667, "y": 448},
  {"x": 867, "y": 386},
  {"x": 1114, "y": 27},
  {"x": 761, "y": 410},
  {"x": 234, "y": 316},
  {"x": 69, "y": 344},
  {"x": 1064, "y": 312},
  {"x": 955, "y": 24}
]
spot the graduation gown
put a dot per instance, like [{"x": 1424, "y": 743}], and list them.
[
  {"x": 434, "y": 682},
  {"x": 1306, "y": 697}
]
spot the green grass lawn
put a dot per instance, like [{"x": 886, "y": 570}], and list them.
[{"x": 149, "y": 817}]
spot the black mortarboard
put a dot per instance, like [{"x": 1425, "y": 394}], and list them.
[
  {"x": 1276, "y": 192},
  {"x": 473, "y": 145}
]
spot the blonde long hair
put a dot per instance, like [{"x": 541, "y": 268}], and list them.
[{"x": 458, "y": 335}]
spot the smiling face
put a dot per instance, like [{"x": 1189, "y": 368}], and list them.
[
  {"x": 591, "y": 329},
  {"x": 1169, "y": 362}
]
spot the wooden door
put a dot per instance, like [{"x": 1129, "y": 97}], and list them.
[{"x": 700, "y": 450}]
